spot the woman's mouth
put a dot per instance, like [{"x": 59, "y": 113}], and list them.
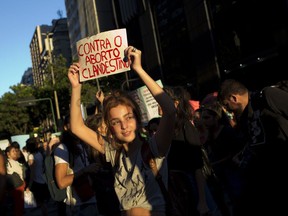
[{"x": 126, "y": 133}]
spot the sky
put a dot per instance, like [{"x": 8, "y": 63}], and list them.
[{"x": 18, "y": 21}]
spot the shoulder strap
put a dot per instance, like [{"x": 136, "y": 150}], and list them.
[
  {"x": 117, "y": 156},
  {"x": 149, "y": 158}
]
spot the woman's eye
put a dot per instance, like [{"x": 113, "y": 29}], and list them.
[
  {"x": 129, "y": 117},
  {"x": 114, "y": 123}
]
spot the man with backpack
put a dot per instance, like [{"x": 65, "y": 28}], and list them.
[
  {"x": 72, "y": 170},
  {"x": 261, "y": 118}
]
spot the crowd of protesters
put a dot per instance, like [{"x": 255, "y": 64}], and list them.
[{"x": 231, "y": 146}]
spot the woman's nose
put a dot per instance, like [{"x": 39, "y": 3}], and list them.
[{"x": 123, "y": 124}]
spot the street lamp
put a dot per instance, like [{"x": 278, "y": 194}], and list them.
[
  {"x": 42, "y": 99},
  {"x": 48, "y": 34}
]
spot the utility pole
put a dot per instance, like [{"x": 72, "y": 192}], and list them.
[{"x": 48, "y": 34}]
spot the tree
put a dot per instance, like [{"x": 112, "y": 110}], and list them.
[{"x": 16, "y": 119}]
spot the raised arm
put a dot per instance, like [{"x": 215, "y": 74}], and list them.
[
  {"x": 78, "y": 126},
  {"x": 165, "y": 130}
]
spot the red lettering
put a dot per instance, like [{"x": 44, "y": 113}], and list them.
[
  {"x": 84, "y": 71},
  {"x": 118, "y": 41},
  {"x": 79, "y": 50}
]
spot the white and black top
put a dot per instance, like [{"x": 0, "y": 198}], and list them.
[{"x": 135, "y": 184}]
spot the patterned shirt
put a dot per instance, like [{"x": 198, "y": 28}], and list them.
[{"x": 135, "y": 184}]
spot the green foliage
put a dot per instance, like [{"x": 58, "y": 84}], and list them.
[{"x": 15, "y": 118}]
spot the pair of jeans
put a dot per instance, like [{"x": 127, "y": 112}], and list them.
[{"x": 85, "y": 209}]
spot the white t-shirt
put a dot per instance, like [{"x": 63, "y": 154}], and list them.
[
  {"x": 135, "y": 184},
  {"x": 61, "y": 155},
  {"x": 15, "y": 166}
]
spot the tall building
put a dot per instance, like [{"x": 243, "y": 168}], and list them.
[
  {"x": 37, "y": 47},
  {"x": 87, "y": 18},
  {"x": 47, "y": 43},
  {"x": 27, "y": 78}
]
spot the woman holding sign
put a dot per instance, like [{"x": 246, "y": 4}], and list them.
[{"x": 135, "y": 184}]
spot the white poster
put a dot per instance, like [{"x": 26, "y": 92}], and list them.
[
  {"x": 102, "y": 54},
  {"x": 147, "y": 103}
]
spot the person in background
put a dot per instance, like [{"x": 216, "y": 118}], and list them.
[
  {"x": 37, "y": 183},
  {"x": 262, "y": 117},
  {"x": 71, "y": 166},
  {"x": 2, "y": 182},
  {"x": 44, "y": 147},
  {"x": 25, "y": 153},
  {"x": 20, "y": 156},
  {"x": 152, "y": 126},
  {"x": 96, "y": 107},
  {"x": 104, "y": 179},
  {"x": 22, "y": 160},
  {"x": 12, "y": 165},
  {"x": 134, "y": 182},
  {"x": 222, "y": 143},
  {"x": 186, "y": 155}
]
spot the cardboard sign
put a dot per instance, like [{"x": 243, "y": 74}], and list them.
[
  {"x": 102, "y": 54},
  {"x": 148, "y": 104}
]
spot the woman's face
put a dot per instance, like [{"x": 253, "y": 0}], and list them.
[
  {"x": 12, "y": 154},
  {"x": 208, "y": 119},
  {"x": 123, "y": 123}
]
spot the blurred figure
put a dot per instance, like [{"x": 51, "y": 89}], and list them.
[
  {"x": 185, "y": 154},
  {"x": 20, "y": 156},
  {"x": 2, "y": 182},
  {"x": 97, "y": 106},
  {"x": 152, "y": 126},
  {"x": 262, "y": 117},
  {"x": 13, "y": 166},
  {"x": 103, "y": 181},
  {"x": 222, "y": 144},
  {"x": 37, "y": 183},
  {"x": 71, "y": 167},
  {"x": 25, "y": 153}
]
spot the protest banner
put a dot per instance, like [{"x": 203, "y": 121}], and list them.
[
  {"x": 147, "y": 103},
  {"x": 102, "y": 54}
]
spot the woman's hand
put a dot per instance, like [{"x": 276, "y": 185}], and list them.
[
  {"x": 134, "y": 57},
  {"x": 100, "y": 96},
  {"x": 73, "y": 75}
]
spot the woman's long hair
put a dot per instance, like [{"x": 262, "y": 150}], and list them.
[
  {"x": 184, "y": 110},
  {"x": 94, "y": 122},
  {"x": 114, "y": 99},
  {"x": 69, "y": 138}
]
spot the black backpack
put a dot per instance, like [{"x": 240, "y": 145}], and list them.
[{"x": 56, "y": 193}]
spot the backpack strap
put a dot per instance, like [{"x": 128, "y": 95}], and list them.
[{"x": 149, "y": 158}]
